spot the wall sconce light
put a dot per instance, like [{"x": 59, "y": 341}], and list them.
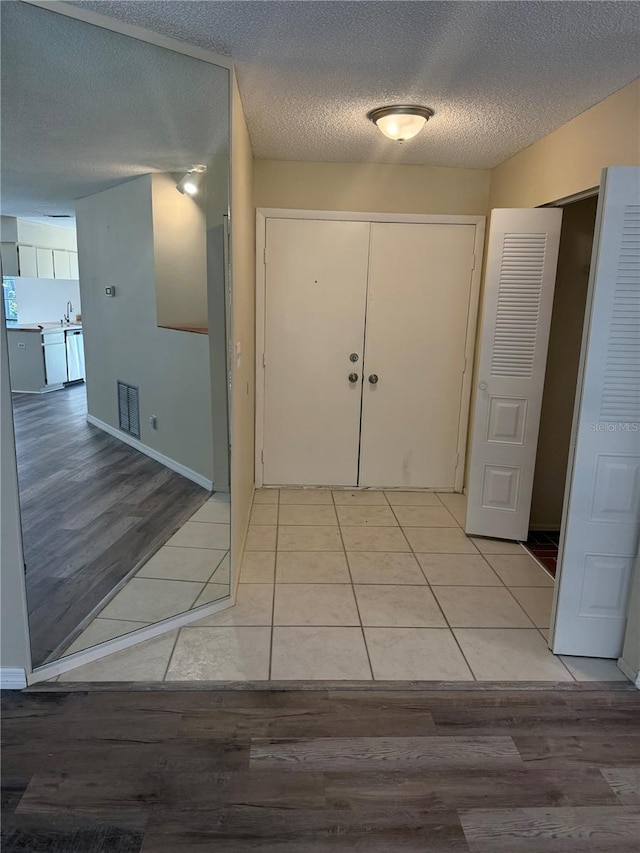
[
  {"x": 400, "y": 122},
  {"x": 192, "y": 182}
]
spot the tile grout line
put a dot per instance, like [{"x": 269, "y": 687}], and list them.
[
  {"x": 353, "y": 591},
  {"x": 273, "y": 597},
  {"x": 173, "y": 648},
  {"x": 228, "y": 553},
  {"x": 439, "y": 606}
]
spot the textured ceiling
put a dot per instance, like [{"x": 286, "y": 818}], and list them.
[
  {"x": 499, "y": 75},
  {"x": 84, "y": 109}
]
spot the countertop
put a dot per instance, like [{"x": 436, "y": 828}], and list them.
[{"x": 44, "y": 328}]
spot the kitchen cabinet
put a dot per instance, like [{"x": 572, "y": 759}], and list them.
[
  {"x": 38, "y": 262},
  {"x": 73, "y": 266},
  {"x": 61, "y": 264},
  {"x": 27, "y": 262},
  {"x": 44, "y": 258},
  {"x": 44, "y": 358},
  {"x": 55, "y": 358}
]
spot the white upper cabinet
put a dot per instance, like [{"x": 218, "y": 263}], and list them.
[{"x": 61, "y": 264}]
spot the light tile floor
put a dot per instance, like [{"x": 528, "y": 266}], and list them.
[
  {"x": 190, "y": 570},
  {"x": 359, "y": 585}
]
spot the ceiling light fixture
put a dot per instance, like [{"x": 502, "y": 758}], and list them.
[
  {"x": 400, "y": 122},
  {"x": 192, "y": 182}
]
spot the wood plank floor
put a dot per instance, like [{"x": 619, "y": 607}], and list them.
[
  {"x": 92, "y": 508},
  {"x": 477, "y": 769}
]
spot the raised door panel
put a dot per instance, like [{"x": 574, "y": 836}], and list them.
[
  {"x": 316, "y": 282},
  {"x": 417, "y": 315}
]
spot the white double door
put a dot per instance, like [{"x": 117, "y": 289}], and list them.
[{"x": 364, "y": 357}]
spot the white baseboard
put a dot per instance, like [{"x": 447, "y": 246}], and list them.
[
  {"x": 631, "y": 673},
  {"x": 153, "y": 454},
  {"x": 12, "y": 678}
]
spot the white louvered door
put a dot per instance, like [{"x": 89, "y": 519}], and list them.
[
  {"x": 514, "y": 334},
  {"x": 601, "y": 523}
]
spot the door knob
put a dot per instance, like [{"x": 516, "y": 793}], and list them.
[
  {"x": 373, "y": 378},
  {"x": 353, "y": 377}
]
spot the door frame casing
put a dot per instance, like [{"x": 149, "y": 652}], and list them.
[{"x": 264, "y": 213}]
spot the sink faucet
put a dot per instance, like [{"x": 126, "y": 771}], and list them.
[{"x": 69, "y": 310}]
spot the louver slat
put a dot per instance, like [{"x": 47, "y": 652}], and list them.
[
  {"x": 129, "y": 409},
  {"x": 518, "y": 310},
  {"x": 620, "y": 400}
]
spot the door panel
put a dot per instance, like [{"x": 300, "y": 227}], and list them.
[
  {"x": 601, "y": 523},
  {"x": 518, "y": 299},
  {"x": 316, "y": 283},
  {"x": 417, "y": 313}
]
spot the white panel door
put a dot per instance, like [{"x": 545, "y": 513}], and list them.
[
  {"x": 417, "y": 312},
  {"x": 514, "y": 335},
  {"x": 602, "y": 505},
  {"x": 316, "y": 283}
]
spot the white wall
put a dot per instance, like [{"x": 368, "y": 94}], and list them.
[
  {"x": 44, "y": 300},
  {"x": 8, "y": 229},
  {"x": 180, "y": 256},
  {"x": 14, "y": 631},
  {"x": 45, "y": 235},
  {"x": 122, "y": 339}
]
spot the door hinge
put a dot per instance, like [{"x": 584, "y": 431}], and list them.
[
  {"x": 262, "y": 456},
  {"x": 473, "y": 261},
  {"x": 456, "y": 460},
  {"x": 264, "y": 360},
  {"x": 264, "y": 256}
]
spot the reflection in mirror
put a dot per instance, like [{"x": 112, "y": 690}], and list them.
[{"x": 117, "y": 310}]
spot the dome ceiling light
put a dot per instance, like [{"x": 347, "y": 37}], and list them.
[{"x": 400, "y": 122}]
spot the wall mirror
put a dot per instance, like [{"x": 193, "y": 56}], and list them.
[{"x": 117, "y": 310}]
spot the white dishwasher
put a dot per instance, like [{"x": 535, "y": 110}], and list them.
[{"x": 75, "y": 355}]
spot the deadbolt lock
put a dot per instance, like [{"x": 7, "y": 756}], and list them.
[{"x": 353, "y": 357}]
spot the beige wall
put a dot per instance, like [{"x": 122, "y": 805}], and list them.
[
  {"x": 570, "y": 160},
  {"x": 179, "y": 245},
  {"x": 576, "y": 241},
  {"x": 243, "y": 242},
  {"x": 370, "y": 187}
]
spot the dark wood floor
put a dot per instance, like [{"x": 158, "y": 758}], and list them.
[
  {"x": 92, "y": 508},
  {"x": 479, "y": 769}
]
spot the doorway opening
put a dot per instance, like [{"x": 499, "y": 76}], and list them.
[{"x": 560, "y": 384}]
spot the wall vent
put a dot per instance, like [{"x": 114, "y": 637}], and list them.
[{"x": 129, "y": 408}]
